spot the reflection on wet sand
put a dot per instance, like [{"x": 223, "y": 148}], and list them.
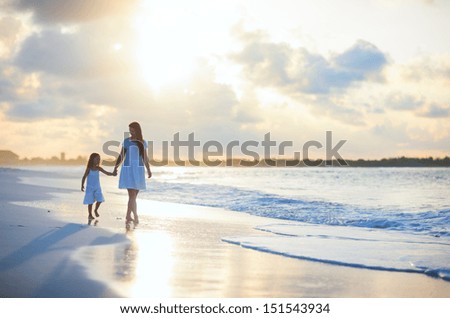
[
  {"x": 138, "y": 268},
  {"x": 125, "y": 260},
  {"x": 147, "y": 264}
]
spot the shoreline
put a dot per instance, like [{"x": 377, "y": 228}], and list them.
[{"x": 177, "y": 251}]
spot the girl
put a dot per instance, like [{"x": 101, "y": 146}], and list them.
[
  {"x": 132, "y": 174},
  {"x": 93, "y": 189}
]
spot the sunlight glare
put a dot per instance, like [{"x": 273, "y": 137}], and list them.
[
  {"x": 167, "y": 46},
  {"x": 154, "y": 265}
]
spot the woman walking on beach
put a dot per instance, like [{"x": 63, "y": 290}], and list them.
[
  {"x": 132, "y": 175},
  {"x": 93, "y": 189}
]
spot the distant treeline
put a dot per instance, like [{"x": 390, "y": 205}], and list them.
[
  {"x": 53, "y": 161},
  {"x": 402, "y": 162},
  {"x": 386, "y": 162},
  {"x": 389, "y": 162}
]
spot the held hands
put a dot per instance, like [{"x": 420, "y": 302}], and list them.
[{"x": 114, "y": 173}]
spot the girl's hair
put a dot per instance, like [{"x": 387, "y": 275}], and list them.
[
  {"x": 139, "y": 139},
  {"x": 90, "y": 163}
]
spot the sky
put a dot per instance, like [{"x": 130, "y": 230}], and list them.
[{"x": 376, "y": 73}]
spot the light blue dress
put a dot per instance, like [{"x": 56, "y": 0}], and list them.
[
  {"x": 93, "y": 192},
  {"x": 132, "y": 174}
]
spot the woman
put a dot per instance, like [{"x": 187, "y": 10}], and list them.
[{"x": 132, "y": 174}]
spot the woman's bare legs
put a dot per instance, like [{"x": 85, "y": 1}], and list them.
[
  {"x": 136, "y": 218},
  {"x": 132, "y": 206},
  {"x": 131, "y": 200}
]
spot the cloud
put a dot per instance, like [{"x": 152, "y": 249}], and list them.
[
  {"x": 10, "y": 33},
  {"x": 418, "y": 105},
  {"x": 310, "y": 78},
  {"x": 338, "y": 109},
  {"x": 296, "y": 70},
  {"x": 362, "y": 59},
  {"x": 33, "y": 97},
  {"x": 81, "y": 66},
  {"x": 211, "y": 110},
  {"x": 434, "y": 111},
  {"x": 435, "y": 67},
  {"x": 400, "y": 101},
  {"x": 247, "y": 110},
  {"x": 53, "y": 52},
  {"x": 45, "y": 107},
  {"x": 7, "y": 84},
  {"x": 85, "y": 53},
  {"x": 71, "y": 11}
]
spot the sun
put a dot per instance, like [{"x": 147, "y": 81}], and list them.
[
  {"x": 173, "y": 36},
  {"x": 117, "y": 46},
  {"x": 167, "y": 47}
]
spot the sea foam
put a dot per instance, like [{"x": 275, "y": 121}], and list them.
[{"x": 354, "y": 247}]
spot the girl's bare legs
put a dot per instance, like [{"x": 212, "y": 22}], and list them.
[
  {"x": 90, "y": 212},
  {"x": 97, "y": 205},
  {"x": 132, "y": 207}
]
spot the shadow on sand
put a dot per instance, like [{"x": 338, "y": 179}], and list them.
[{"x": 42, "y": 244}]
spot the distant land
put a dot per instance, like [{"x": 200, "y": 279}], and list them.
[{"x": 9, "y": 158}]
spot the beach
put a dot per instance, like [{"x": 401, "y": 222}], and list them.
[{"x": 49, "y": 249}]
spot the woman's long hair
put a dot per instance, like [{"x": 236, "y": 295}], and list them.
[
  {"x": 90, "y": 163},
  {"x": 138, "y": 135}
]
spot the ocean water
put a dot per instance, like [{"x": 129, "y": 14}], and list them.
[
  {"x": 403, "y": 199},
  {"x": 395, "y": 219}
]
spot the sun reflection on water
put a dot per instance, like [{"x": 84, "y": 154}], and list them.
[{"x": 150, "y": 261}]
